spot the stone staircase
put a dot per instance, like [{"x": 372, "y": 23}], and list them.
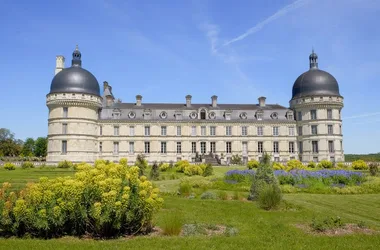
[{"x": 210, "y": 159}]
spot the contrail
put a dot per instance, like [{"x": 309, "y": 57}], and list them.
[
  {"x": 293, "y": 6},
  {"x": 362, "y": 115}
]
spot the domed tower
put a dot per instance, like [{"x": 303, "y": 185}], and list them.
[
  {"x": 317, "y": 105},
  {"x": 74, "y": 101}
]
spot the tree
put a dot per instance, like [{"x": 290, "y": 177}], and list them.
[
  {"x": 40, "y": 148},
  {"x": 8, "y": 145},
  {"x": 6, "y": 134},
  {"x": 28, "y": 148}
]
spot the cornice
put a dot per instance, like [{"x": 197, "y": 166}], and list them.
[{"x": 197, "y": 122}]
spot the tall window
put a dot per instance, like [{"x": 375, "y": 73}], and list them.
[
  {"x": 259, "y": 116},
  {"x": 212, "y": 147},
  {"x": 290, "y": 116},
  {"x": 179, "y": 147},
  {"x": 116, "y": 130},
  {"x": 131, "y": 130},
  {"x": 193, "y": 131},
  {"x": 193, "y": 147},
  {"x": 329, "y": 114},
  {"x": 163, "y": 130},
  {"x": 245, "y": 147},
  {"x": 64, "y": 128},
  {"x": 100, "y": 147},
  {"x": 64, "y": 147},
  {"x": 314, "y": 145},
  {"x": 260, "y": 146},
  {"x": 203, "y": 115},
  {"x": 131, "y": 147},
  {"x": 300, "y": 147},
  {"x": 203, "y": 147},
  {"x": 65, "y": 112},
  {"x": 228, "y": 147},
  {"x": 341, "y": 145},
  {"x": 163, "y": 147},
  {"x": 179, "y": 132},
  {"x": 147, "y": 130},
  {"x": 115, "y": 147},
  {"x": 314, "y": 130},
  {"x": 260, "y": 131},
  {"x": 300, "y": 130},
  {"x": 291, "y": 131},
  {"x": 275, "y": 147},
  {"x": 244, "y": 130},
  {"x": 147, "y": 147},
  {"x": 299, "y": 116},
  {"x": 203, "y": 130},
  {"x": 313, "y": 114},
  {"x": 330, "y": 129},
  {"x": 291, "y": 147},
  {"x": 340, "y": 129},
  {"x": 275, "y": 131},
  {"x": 228, "y": 130},
  {"x": 212, "y": 130},
  {"x": 101, "y": 130},
  {"x": 331, "y": 146}
]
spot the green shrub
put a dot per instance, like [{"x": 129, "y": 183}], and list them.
[
  {"x": 172, "y": 224},
  {"x": 294, "y": 164},
  {"x": 141, "y": 163},
  {"x": 27, "y": 164},
  {"x": 185, "y": 188},
  {"x": 373, "y": 169},
  {"x": 270, "y": 196},
  {"x": 222, "y": 195},
  {"x": 311, "y": 164},
  {"x": 236, "y": 159},
  {"x": 237, "y": 196},
  {"x": 155, "y": 173},
  {"x": 164, "y": 167},
  {"x": 252, "y": 164},
  {"x": 324, "y": 224},
  {"x": 208, "y": 196},
  {"x": 325, "y": 164},
  {"x": 181, "y": 165},
  {"x": 208, "y": 171},
  {"x": 123, "y": 162},
  {"x": 65, "y": 164},
  {"x": 193, "y": 170},
  {"x": 340, "y": 165},
  {"x": 359, "y": 165},
  {"x": 278, "y": 166},
  {"x": 9, "y": 166},
  {"x": 105, "y": 201}
]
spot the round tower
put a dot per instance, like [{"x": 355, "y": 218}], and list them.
[
  {"x": 74, "y": 101},
  {"x": 317, "y": 105}
]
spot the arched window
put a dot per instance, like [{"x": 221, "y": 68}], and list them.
[{"x": 203, "y": 114}]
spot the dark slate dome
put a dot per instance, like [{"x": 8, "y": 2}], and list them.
[
  {"x": 315, "y": 82},
  {"x": 75, "y": 79}
]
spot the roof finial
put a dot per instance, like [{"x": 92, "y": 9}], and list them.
[
  {"x": 76, "y": 57},
  {"x": 313, "y": 59},
  {"x": 76, "y": 47}
]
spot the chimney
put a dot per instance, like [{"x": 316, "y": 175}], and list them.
[
  {"x": 188, "y": 101},
  {"x": 214, "y": 99},
  {"x": 138, "y": 100},
  {"x": 262, "y": 101},
  {"x": 59, "y": 64}
]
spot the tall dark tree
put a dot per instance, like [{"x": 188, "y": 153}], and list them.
[
  {"x": 8, "y": 145},
  {"x": 40, "y": 148},
  {"x": 28, "y": 148}
]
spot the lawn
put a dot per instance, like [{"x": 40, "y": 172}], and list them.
[{"x": 258, "y": 229}]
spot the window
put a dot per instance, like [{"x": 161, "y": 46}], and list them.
[
  {"x": 116, "y": 130},
  {"x": 131, "y": 130},
  {"x": 228, "y": 147},
  {"x": 163, "y": 130},
  {"x": 203, "y": 115},
  {"x": 64, "y": 128},
  {"x": 193, "y": 147},
  {"x": 64, "y": 147},
  {"x": 299, "y": 116},
  {"x": 65, "y": 112},
  {"x": 331, "y": 146},
  {"x": 245, "y": 147},
  {"x": 259, "y": 116},
  {"x": 291, "y": 131},
  {"x": 228, "y": 130},
  {"x": 131, "y": 147},
  {"x": 260, "y": 146},
  {"x": 291, "y": 147},
  {"x": 203, "y": 147},
  {"x": 340, "y": 129},
  {"x": 179, "y": 147},
  {"x": 100, "y": 147},
  {"x": 300, "y": 130},
  {"x": 147, "y": 130},
  {"x": 179, "y": 130},
  {"x": 314, "y": 145},
  {"x": 101, "y": 130},
  {"x": 193, "y": 131},
  {"x": 116, "y": 147},
  {"x": 203, "y": 130},
  {"x": 275, "y": 131},
  {"x": 212, "y": 130},
  {"x": 332, "y": 158},
  {"x": 163, "y": 147},
  {"x": 212, "y": 147},
  {"x": 330, "y": 129},
  {"x": 275, "y": 147},
  {"x": 313, "y": 114},
  {"x": 276, "y": 159},
  {"x": 147, "y": 147},
  {"x": 329, "y": 114},
  {"x": 290, "y": 116},
  {"x": 315, "y": 159},
  {"x": 260, "y": 131},
  {"x": 300, "y": 147},
  {"x": 314, "y": 130},
  {"x": 244, "y": 130},
  {"x": 341, "y": 145}
]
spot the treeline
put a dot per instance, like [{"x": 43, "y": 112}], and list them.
[
  {"x": 12, "y": 147},
  {"x": 364, "y": 157}
]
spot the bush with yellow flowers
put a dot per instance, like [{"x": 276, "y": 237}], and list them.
[{"x": 102, "y": 201}]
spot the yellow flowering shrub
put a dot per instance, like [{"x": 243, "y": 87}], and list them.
[{"x": 105, "y": 201}]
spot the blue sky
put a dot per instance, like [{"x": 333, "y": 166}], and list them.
[{"x": 236, "y": 49}]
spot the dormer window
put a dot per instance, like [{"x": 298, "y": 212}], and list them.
[
  {"x": 203, "y": 114},
  {"x": 259, "y": 115}
]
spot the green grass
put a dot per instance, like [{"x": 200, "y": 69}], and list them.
[{"x": 258, "y": 229}]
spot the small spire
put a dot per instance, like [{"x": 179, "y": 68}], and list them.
[
  {"x": 76, "y": 57},
  {"x": 313, "y": 59}
]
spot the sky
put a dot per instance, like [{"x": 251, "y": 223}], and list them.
[{"x": 163, "y": 50}]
